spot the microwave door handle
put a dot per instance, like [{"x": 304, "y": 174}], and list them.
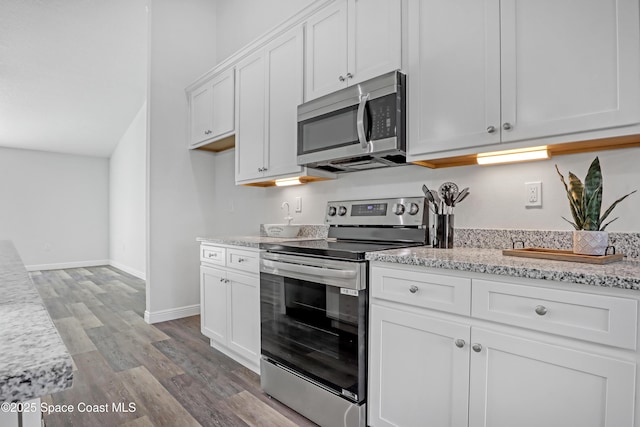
[{"x": 362, "y": 137}]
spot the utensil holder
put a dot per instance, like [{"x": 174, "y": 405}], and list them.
[{"x": 444, "y": 231}]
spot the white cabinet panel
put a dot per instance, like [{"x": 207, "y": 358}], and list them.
[
  {"x": 213, "y": 304},
  {"x": 250, "y": 113},
  {"x": 352, "y": 41},
  {"x": 486, "y": 73},
  {"x": 230, "y": 302},
  {"x": 524, "y": 383},
  {"x": 326, "y": 51},
  {"x": 598, "y": 318},
  {"x": 223, "y": 90},
  {"x": 284, "y": 76},
  {"x": 244, "y": 337},
  {"x": 569, "y": 66},
  {"x": 417, "y": 374},
  {"x": 375, "y": 38},
  {"x": 211, "y": 109},
  {"x": 454, "y": 74}
]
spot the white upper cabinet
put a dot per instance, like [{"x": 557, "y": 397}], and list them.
[
  {"x": 250, "y": 114},
  {"x": 351, "y": 41},
  {"x": 269, "y": 91},
  {"x": 490, "y": 72},
  {"x": 284, "y": 77},
  {"x": 211, "y": 108},
  {"x": 569, "y": 66}
]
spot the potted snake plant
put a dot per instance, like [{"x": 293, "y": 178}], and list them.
[{"x": 585, "y": 202}]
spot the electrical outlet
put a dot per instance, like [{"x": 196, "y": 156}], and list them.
[
  {"x": 298, "y": 204},
  {"x": 533, "y": 194}
]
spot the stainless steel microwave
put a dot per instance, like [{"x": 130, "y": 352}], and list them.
[{"x": 360, "y": 127}]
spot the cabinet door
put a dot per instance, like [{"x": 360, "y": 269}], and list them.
[
  {"x": 250, "y": 109},
  {"x": 284, "y": 77},
  {"x": 417, "y": 374},
  {"x": 453, "y": 75},
  {"x": 213, "y": 304},
  {"x": 244, "y": 318},
  {"x": 201, "y": 104},
  {"x": 222, "y": 88},
  {"x": 374, "y": 39},
  {"x": 525, "y": 383},
  {"x": 326, "y": 51},
  {"x": 569, "y": 66}
]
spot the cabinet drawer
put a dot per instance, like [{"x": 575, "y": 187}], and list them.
[
  {"x": 422, "y": 289},
  {"x": 212, "y": 254},
  {"x": 590, "y": 317},
  {"x": 243, "y": 260}
]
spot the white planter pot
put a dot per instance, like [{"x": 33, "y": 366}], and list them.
[{"x": 590, "y": 242}]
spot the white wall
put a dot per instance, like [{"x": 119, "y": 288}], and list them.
[
  {"x": 241, "y": 21},
  {"x": 55, "y": 208},
  {"x": 496, "y": 199},
  {"x": 127, "y": 198},
  {"x": 180, "y": 183}
]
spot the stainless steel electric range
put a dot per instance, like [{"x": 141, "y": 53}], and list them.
[{"x": 314, "y": 304}]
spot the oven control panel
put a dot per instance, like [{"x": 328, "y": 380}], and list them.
[{"x": 402, "y": 211}]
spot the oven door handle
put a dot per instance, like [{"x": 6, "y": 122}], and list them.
[
  {"x": 362, "y": 136},
  {"x": 306, "y": 269}
]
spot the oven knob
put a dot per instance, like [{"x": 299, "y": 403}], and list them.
[
  {"x": 342, "y": 211},
  {"x": 413, "y": 209},
  {"x": 398, "y": 209},
  {"x": 332, "y": 211}
]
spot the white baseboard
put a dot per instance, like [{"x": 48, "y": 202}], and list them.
[
  {"x": 127, "y": 269},
  {"x": 171, "y": 314},
  {"x": 63, "y": 265}
]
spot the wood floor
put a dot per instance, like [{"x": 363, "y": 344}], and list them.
[{"x": 166, "y": 374}]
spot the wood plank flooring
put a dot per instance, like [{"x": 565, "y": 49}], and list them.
[{"x": 164, "y": 374}]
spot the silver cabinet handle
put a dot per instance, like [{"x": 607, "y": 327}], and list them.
[
  {"x": 227, "y": 281},
  {"x": 541, "y": 310},
  {"x": 241, "y": 260},
  {"x": 213, "y": 255},
  {"x": 341, "y": 78},
  {"x": 491, "y": 129},
  {"x": 477, "y": 348},
  {"x": 413, "y": 289},
  {"x": 264, "y": 169},
  {"x": 460, "y": 343},
  {"x": 349, "y": 75},
  {"x": 362, "y": 137},
  {"x": 507, "y": 126},
  {"x": 222, "y": 279}
]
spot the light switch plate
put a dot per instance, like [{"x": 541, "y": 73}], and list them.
[{"x": 298, "y": 204}]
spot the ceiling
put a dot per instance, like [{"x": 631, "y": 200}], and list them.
[{"x": 72, "y": 73}]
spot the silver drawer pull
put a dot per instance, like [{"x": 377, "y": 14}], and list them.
[
  {"x": 413, "y": 289},
  {"x": 222, "y": 279},
  {"x": 460, "y": 343},
  {"x": 241, "y": 260},
  {"x": 477, "y": 348},
  {"x": 213, "y": 255},
  {"x": 541, "y": 310}
]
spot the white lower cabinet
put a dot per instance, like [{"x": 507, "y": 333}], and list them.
[
  {"x": 417, "y": 376},
  {"x": 445, "y": 369},
  {"x": 230, "y": 304}
]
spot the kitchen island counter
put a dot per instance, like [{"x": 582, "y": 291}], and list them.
[
  {"x": 33, "y": 361},
  {"x": 623, "y": 274}
]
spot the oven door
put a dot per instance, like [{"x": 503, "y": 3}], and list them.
[{"x": 314, "y": 320}]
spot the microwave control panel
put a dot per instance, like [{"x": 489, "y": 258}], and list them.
[{"x": 382, "y": 113}]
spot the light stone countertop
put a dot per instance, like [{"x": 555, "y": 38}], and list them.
[
  {"x": 250, "y": 241},
  {"x": 33, "y": 359},
  {"x": 622, "y": 274}
]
